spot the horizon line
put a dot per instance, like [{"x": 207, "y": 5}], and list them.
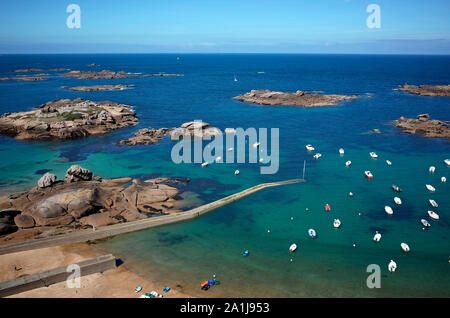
[{"x": 229, "y": 53}]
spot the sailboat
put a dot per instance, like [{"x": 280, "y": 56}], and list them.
[{"x": 235, "y": 79}]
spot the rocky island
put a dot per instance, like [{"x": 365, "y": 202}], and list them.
[
  {"x": 107, "y": 74},
  {"x": 299, "y": 98},
  {"x": 96, "y": 88},
  {"x": 83, "y": 200},
  {"x": 426, "y": 90},
  {"x": 23, "y": 78},
  {"x": 193, "y": 129},
  {"x": 67, "y": 119},
  {"x": 146, "y": 136},
  {"x": 424, "y": 126}
]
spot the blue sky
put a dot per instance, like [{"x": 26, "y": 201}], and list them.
[{"x": 226, "y": 26}]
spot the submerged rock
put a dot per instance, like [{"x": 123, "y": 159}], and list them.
[{"x": 146, "y": 136}]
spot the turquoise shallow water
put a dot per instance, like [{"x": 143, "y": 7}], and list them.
[{"x": 190, "y": 252}]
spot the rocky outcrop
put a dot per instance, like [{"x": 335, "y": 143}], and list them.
[
  {"x": 31, "y": 70},
  {"x": 46, "y": 180},
  {"x": 67, "y": 119},
  {"x": 105, "y": 74},
  {"x": 97, "y": 88},
  {"x": 194, "y": 129},
  {"x": 83, "y": 199},
  {"x": 77, "y": 173},
  {"x": 426, "y": 90},
  {"x": 299, "y": 98},
  {"x": 423, "y": 125},
  {"x": 23, "y": 78},
  {"x": 146, "y": 136}
]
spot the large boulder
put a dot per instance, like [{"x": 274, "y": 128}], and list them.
[
  {"x": 99, "y": 219},
  {"x": 77, "y": 173},
  {"x": 24, "y": 221},
  {"x": 46, "y": 180}
]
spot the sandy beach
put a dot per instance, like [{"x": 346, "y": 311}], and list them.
[{"x": 119, "y": 282}]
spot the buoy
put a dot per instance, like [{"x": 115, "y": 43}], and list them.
[
  {"x": 350, "y": 194},
  {"x": 327, "y": 207},
  {"x": 236, "y": 172},
  {"x": 354, "y": 245}
]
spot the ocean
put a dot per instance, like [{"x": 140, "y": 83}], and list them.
[{"x": 185, "y": 254}]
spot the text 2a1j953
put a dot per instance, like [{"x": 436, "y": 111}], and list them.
[{"x": 246, "y": 308}]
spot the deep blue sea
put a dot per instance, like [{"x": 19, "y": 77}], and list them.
[{"x": 188, "y": 253}]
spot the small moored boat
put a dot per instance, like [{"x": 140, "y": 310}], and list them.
[
  {"x": 317, "y": 156},
  {"x": 430, "y": 187},
  {"x": 433, "y": 215},
  {"x": 292, "y": 248},
  {"x": 218, "y": 159},
  {"x": 405, "y": 247},
  {"x": 388, "y": 209},
  {"x": 392, "y": 266},
  {"x": 396, "y": 188},
  {"x": 447, "y": 162},
  {"x": 327, "y": 207},
  {"x": 433, "y": 203},
  {"x": 309, "y": 147},
  {"x": 138, "y": 289},
  {"x": 256, "y": 144},
  {"x": 341, "y": 151},
  {"x": 368, "y": 174},
  {"x": 348, "y": 163},
  {"x": 377, "y": 237},
  {"x": 443, "y": 179},
  {"x": 236, "y": 172},
  {"x": 337, "y": 223},
  {"x": 373, "y": 155},
  {"x": 432, "y": 169},
  {"x": 397, "y": 200},
  {"x": 425, "y": 223},
  {"x": 312, "y": 233},
  {"x": 388, "y": 162},
  {"x": 204, "y": 164}
]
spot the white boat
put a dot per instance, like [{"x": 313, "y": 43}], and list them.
[
  {"x": 341, "y": 151},
  {"x": 230, "y": 149},
  {"x": 309, "y": 147},
  {"x": 218, "y": 159},
  {"x": 312, "y": 233},
  {"x": 368, "y": 174},
  {"x": 317, "y": 156},
  {"x": 337, "y": 223},
  {"x": 392, "y": 266},
  {"x": 425, "y": 223},
  {"x": 377, "y": 237},
  {"x": 396, "y": 188},
  {"x": 433, "y": 215},
  {"x": 388, "y": 162},
  {"x": 256, "y": 144},
  {"x": 348, "y": 163},
  {"x": 430, "y": 187},
  {"x": 236, "y": 172},
  {"x": 397, "y": 200},
  {"x": 235, "y": 79},
  {"x": 433, "y": 203},
  {"x": 204, "y": 164},
  {"x": 373, "y": 155},
  {"x": 261, "y": 160},
  {"x": 432, "y": 169},
  {"x": 405, "y": 247},
  {"x": 388, "y": 209},
  {"x": 443, "y": 179},
  {"x": 447, "y": 162},
  {"x": 292, "y": 248},
  {"x": 138, "y": 289}
]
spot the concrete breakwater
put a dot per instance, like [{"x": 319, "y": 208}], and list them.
[
  {"x": 56, "y": 275},
  {"x": 116, "y": 229}
]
